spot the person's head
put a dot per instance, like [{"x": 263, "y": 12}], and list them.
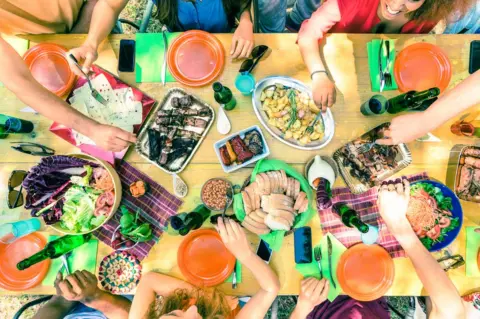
[
  {"x": 191, "y": 304},
  {"x": 167, "y": 12},
  {"x": 423, "y": 10}
]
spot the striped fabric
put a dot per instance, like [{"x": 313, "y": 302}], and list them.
[
  {"x": 366, "y": 206},
  {"x": 155, "y": 207}
]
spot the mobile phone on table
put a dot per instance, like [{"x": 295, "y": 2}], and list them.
[
  {"x": 126, "y": 60},
  {"x": 302, "y": 242},
  {"x": 264, "y": 251},
  {"x": 474, "y": 56}
]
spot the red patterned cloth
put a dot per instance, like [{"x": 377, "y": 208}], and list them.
[
  {"x": 366, "y": 206},
  {"x": 155, "y": 207}
]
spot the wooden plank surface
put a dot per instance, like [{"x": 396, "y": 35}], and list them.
[{"x": 347, "y": 59}]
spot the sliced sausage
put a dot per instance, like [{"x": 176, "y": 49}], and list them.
[
  {"x": 297, "y": 189},
  {"x": 247, "y": 204},
  {"x": 299, "y": 201},
  {"x": 255, "y": 230},
  {"x": 256, "y": 217},
  {"x": 288, "y": 216},
  {"x": 253, "y": 222},
  {"x": 284, "y": 180}
]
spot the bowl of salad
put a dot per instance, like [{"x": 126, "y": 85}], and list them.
[
  {"x": 435, "y": 214},
  {"x": 74, "y": 194}
]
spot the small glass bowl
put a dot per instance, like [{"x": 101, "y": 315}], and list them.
[{"x": 215, "y": 208}]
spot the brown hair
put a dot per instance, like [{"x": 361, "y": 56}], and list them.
[
  {"x": 436, "y": 10},
  {"x": 167, "y": 12},
  {"x": 210, "y": 304}
]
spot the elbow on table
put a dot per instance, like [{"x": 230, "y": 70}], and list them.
[{"x": 274, "y": 288}]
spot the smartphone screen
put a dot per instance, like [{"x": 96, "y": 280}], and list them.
[
  {"x": 264, "y": 251},
  {"x": 126, "y": 61},
  {"x": 474, "y": 56}
]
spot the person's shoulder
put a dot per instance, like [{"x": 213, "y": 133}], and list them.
[{"x": 353, "y": 6}]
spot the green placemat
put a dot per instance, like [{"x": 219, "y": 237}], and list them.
[
  {"x": 238, "y": 268},
  {"x": 473, "y": 244},
  {"x": 373, "y": 51},
  {"x": 311, "y": 270},
  {"x": 82, "y": 258},
  {"x": 149, "y": 52}
]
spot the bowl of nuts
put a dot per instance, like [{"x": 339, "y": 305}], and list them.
[{"x": 214, "y": 194}]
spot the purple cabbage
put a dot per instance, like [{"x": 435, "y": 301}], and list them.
[{"x": 52, "y": 215}]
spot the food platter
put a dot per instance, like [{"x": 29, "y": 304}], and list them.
[
  {"x": 468, "y": 174},
  {"x": 402, "y": 159},
  {"x": 329, "y": 124},
  {"x": 142, "y": 146}
]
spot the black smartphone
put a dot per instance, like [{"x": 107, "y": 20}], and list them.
[
  {"x": 474, "y": 56},
  {"x": 126, "y": 61},
  {"x": 264, "y": 251},
  {"x": 302, "y": 242}
]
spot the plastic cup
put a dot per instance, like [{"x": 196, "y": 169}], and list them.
[{"x": 245, "y": 83}]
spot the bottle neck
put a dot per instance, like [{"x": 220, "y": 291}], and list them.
[
  {"x": 42, "y": 255},
  {"x": 358, "y": 224},
  {"x": 418, "y": 97}
]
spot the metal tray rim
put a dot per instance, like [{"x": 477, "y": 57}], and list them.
[{"x": 457, "y": 170}]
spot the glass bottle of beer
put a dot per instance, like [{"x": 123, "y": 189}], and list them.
[
  {"x": 224, "y": 96},
  {"x": 195, "y": 219},
  {"x": 175, "y": 223},
  {"x": 350, "y": 217},
  {"x": 3, "y": 132},
  {"x": 15, "y": 125},
  {"x": 55, "y": 249},
  {"x": 410, "y": 100}
]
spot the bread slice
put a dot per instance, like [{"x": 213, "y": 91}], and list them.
[
  {"x": 288, "y": 216},
  {"x": 277, "y": 223}
]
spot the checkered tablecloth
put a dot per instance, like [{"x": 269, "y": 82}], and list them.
[
  {"x": 366, "y": 206},
  {"x": 155, "y": 207}
]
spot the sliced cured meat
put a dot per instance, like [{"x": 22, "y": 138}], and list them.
[
  {"x": 261, "y": 184},
  {"x": 290, "y": 183},
  {"x": 277, "y": 223},
  {"x": 280, "y": 182},
  {"x": 255, "y": 230},
  {"x": 260, "y": 213},
  {"x": 251, "y": 221},
  {"x": 256, "y": 217},
  {"x": 298, "y": 203},
  {"x": 102, "y": 211},
  {"x": 288, "y": 216},
  {"x": 273, "y": 182},
  {"x": 296, "y": 189},
  {"x": 475, "y": 152},
  {"x": 472, "y": 161},
  {"x": 284, "y": 180},
  {"x": 304, "y": 206},
  {"x": 268, "y": 186},
  {"x": 247, "y": 204},
  {"x": 106, "y": 198},
  {"x": 465, "y": 179},
  {"x": 265, "y": 202}
]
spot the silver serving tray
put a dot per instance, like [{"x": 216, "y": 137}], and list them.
[
  {"x": 142, "y": 147},
  {"x": 403, "y": 159},
  {"x": 460, "y": 149},
  {"x": 277, "y": 133}
]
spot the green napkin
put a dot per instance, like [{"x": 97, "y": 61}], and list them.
[
  {"x": 238, "y": 268},
  {"x": 311, "y": 270},
  {"x": 373, "y": 51},
  {"x": 149, "y": 53},
  {"x": 82, "y": 258},
  {"x": 473, "y": 244}
]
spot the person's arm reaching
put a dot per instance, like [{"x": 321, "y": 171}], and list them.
[
  {"x": 393, "y": 203},
  {"x": 312, "y": 293},
  {"x": 311, "y": 32},
  {"x": 56, "y": 308},
  {"x": 408, "y": 127},
  {"x": 242, "y": 41},
  {"x": 235, "y": 240},
  {"x": 17, "y": 77},
  {"x": 104, "y": 17}
]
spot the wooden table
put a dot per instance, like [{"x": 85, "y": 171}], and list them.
[{"x": 346, "y": 56}]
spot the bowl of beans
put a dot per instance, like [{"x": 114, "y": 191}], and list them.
[{"x": 214, "y": 194}]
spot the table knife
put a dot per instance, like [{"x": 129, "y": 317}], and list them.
[
  {"x": 380, "y": 67},
  {"x": 330, "y": 262},
  {"x": 234, "y": 279},
  {"x": 165, "y": 46}
]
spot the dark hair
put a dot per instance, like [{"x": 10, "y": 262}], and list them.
[
  {"x": 436, "y": 10},
  {"x": 167, "y": 12}
]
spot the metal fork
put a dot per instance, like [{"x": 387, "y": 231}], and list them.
[
  {"x": 387, "y": 74},
  {"x": 365, "y": 147},
  {"x": 380, "y": 67},
  {"x": 65, "y": 262},
  {"x": 309, "y": 129},
  {"x": 317, "y": 252}
]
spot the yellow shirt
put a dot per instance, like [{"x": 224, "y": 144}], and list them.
[{"x": 38, "y": 16}]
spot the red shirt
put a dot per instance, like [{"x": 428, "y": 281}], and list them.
[{"x": 352, "y": 16}]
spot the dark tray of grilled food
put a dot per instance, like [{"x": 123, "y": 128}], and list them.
[{"x": 467, "y": 180}]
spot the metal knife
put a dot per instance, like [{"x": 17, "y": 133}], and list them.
[
  {"x": 330, "y": 262},
  {"x": 234, "y": 279},
  {"x": 429, "y": 137},
  {"x": 380, "y": 67},
  {"x": 165, "y": 46}
]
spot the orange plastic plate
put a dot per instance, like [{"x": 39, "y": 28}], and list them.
[
  {"x": 422, "y": 66},
  {"x": 196, "y": 58},
  {"x": 203, "y": 258}
]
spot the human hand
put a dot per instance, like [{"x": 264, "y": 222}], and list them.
[
  {"x": 393, "y": 199},
  {"x": 112, "y": 138},
  {"x": 234, "y": 238},
  {"x": 312, "y": 293},
  {"x": 324, "y": 93},
  {"x": 242, "y": 41},
  {"x": 406, "y": 128},
  {"x": 86, "y": 53},
  {"x": 79, "y": 286}
]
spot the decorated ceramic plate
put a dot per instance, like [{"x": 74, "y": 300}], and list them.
[{"x": 120, "y": 272}]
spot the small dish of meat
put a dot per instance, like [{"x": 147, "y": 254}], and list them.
[
  {"x": 364, "y": 164},
  {"x": 241, "y": 149},
  {"x": 467, "y": 186}
]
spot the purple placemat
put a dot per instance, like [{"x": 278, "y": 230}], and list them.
[
  {"x": 155, "y": 207},
  {"x": 366, "y": 206}
]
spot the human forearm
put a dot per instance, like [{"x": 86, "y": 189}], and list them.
[
  {"x": 111, "y": 306},
  {"x": 55, "y": 308},
  {"x": 262, "y": 272},
  {"x": 311, "y": 54}
]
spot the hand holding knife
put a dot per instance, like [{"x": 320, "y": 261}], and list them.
[{"x": 165, "y": 46}]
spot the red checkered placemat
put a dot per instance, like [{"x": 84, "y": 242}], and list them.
[
  {"x": 366, "y": 206},
  {"x": 155, "y": 207}
]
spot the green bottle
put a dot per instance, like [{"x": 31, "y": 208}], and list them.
[
  {"x": 55, "y": 249},
  {"x": 411, "y": 100},
  {"x": 175, "y": 223},
  {"x": 224, "y": 96},
  {"x": 3, "y": 131},
  {"x": 350, "y": 217},
  {"x": 195, "y": 219}
]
